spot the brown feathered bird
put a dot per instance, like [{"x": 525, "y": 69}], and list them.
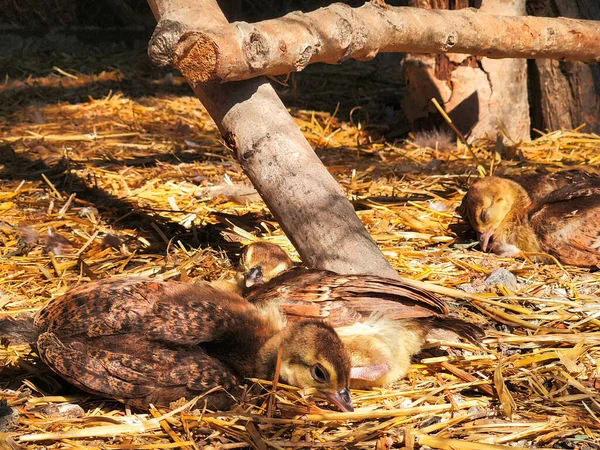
[
  {"x": 563, "y": 221},
  {"x": 382, "y": 322},
  {"x": 142, "y": 341}
]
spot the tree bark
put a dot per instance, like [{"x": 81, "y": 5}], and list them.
[
  {"x": 484, "y": 97},
  {"x": 306, "y": 200},
  {"x": 566, "y": 94},
  {"x": 506, "y": 110},
  {"x": 330, "y": 35}
]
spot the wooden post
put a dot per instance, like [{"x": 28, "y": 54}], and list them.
[
  {"x": 483, "y": 96},
  {"x": 306, "y": 200},
  {"x": 566, "y": 94}
]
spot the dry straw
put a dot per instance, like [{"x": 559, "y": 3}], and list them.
[{"x": 144, "y": 186}]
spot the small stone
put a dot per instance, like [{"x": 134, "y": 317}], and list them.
[
  {"x": 466, "y": 287},
  {"x": 169, "y": 78},
  {"x": 65, "y": 411},
  {"x": 478, "y": 412},
  {"x": 88, "y": 211},
  {"x": 502, "y": 276},
  {"x": 8, "y": 417},
  {"x": 476, "y": 286}
]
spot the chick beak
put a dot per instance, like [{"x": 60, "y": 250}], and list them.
[
  {"x": 254, "y": 276},
  {"x": 341, "y": 399},
  {"x": 484, "y": 239}
]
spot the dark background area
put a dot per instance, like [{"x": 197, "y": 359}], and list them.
[
  {"x": 43, "y": 39},
  {"x": 43, "y": 14}
]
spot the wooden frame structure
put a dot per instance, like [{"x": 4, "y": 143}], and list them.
[{"x": 195, "y": 37}]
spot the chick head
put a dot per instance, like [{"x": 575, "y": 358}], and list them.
[
  {"x": 261, "y": 262},
  {"x": 487, "y": 203},
  {"x": 313, "y": 356}
]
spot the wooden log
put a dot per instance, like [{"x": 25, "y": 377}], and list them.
[
  {"x": 333, "y": 34},
  {"x": 566, "y": 94},
  {"x": 306, "y": 200},
  {"x": 484, "y": 97},
  {"x": 505, "y": 110}
]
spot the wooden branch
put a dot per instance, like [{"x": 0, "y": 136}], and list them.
[
  {"x": 306, "y": 200},
  {"x": 338, "y": 32}
]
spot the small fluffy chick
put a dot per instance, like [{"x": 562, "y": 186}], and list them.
[
  {"x": 381, "y": 322},
  {"x": 274, "y": 261},
  {"x": 260, "y": 263},
  {"x": 497, "y": 209},
  {"x": 564, "y": 223}
]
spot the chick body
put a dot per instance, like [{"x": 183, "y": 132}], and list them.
[
  {"x": 564, "y": 222},
  {"x": 382, "y": 322},
  {"x": 143, "y": 341},
  {"x": 381, "y": 350}
]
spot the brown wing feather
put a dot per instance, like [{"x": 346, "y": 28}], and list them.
[
  {"x": 568, "y": 225},
  {"x": 344, "y": 299},
  {"x": 167, "y": 311},
  {"x": 570, "y": 192},
  {"x": 538, "y": 186},
  {"x": 136, "y": 371}
]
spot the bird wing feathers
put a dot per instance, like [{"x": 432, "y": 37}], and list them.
[
  {"x": 539, "y": 186},
  {"x": 174, "y": 312},
  {"x": 345, "y": 299},
  {"x": 568, "y": 224},
  {"x": 145, "y": 373}
]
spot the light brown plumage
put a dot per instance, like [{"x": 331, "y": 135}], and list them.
[
  {"x": 142, "y": 341},
  {"x": 382, "y": 322},
  {"x": 563, "y": 221}
]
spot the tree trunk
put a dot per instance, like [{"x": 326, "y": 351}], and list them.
[
  {"x": 566, "y": 93},
  {"x": 484, "y": 97},
  {"x": 306, "y": 200}
]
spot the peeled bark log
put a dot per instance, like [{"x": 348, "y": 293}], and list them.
[
  {"x": 333, "y": 34},
  {"x": 483, "y": 96},
  {"x": 306, "y": 200}
]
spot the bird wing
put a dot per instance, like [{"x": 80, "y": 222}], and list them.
[
  {"x": 540, "y": 185},
  {"x": 568, "y": 224},
  {"x": 345, "y": 299},
  {"x": 570, "y": 192},
  {"x": 181, "y": 313},
  {"x": 136, "y": 371}
]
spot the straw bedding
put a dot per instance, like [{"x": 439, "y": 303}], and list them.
[{"x": 99, "y": 183}]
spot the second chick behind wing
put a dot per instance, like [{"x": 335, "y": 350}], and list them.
[{"x": 382, "y": 322}]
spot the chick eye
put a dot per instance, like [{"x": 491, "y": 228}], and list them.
[
  {"x": 319, "y": 373},
  {"x": 485, "y": 215}
]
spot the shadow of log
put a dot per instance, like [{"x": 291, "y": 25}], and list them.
[{"x": 121, "y": 212}]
